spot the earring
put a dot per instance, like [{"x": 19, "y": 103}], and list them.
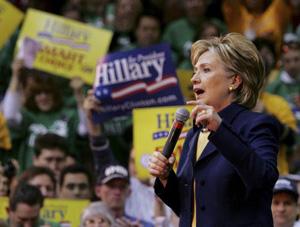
[{"x": 230, "y": 88}]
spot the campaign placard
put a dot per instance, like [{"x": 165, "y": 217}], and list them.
[
  {"x": 137, "y": 78},
  {"x": 186, "y": 85},
  {"x": 10, "y": 18},
  {"x": 3, "y": 208},
  {"x": 151, "y": 127},
  {"x": 61, "y": 46},
  {"x": 65, "y": 212}
]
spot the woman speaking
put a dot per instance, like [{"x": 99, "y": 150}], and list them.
[{"x": 227, "y": 168}]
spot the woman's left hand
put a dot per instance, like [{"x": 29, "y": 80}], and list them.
[{"x": 205, "y": 115}]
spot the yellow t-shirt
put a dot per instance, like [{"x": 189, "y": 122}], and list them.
[
  {"x": 270, "y": 24},
  {"x": 279, "y": 107}
]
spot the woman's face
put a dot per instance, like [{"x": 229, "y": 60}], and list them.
[
  {"x": 44, "y": 101},
  {"x": 96, "y": 221},
  {"x": 211, "y": 81}
]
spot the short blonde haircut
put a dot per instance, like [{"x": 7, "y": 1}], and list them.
[{"x": 240, "y": 57}]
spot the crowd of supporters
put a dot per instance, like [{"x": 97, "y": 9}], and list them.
[{"x": 47, "y": 135}]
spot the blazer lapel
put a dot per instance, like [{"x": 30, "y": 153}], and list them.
[{"x": 208, "y": 150}]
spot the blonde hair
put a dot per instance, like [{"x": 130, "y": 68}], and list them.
[
  {"x": 240, "y": 57},
  {"x": 97, "y": 208}
]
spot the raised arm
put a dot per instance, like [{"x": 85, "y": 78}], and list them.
[
  {"x": 99, "y": 144},
  {"x": 77, "y": 84},
  {"x": 12, "y": 101}
]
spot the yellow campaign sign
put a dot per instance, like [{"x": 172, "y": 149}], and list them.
[
  {"x": 61, "y": 211},
  {"x": 10, "y": 18},
  {"x": 150, "y": 130},
  {"x": 61, "y": 46},
  {"x": 184, "y": 77},
  {"x": 3, "y": 208}
]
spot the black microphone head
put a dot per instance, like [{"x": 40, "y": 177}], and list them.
[{"x": 182, "y": 114}]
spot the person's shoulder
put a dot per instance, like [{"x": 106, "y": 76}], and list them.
[
  {"x": 273, "y": 76},
  {"x": 277, "y": 106},
  {"x": 65, "y": 113},
  {"x": 177, "y": 23},
  {"x": 244, "y": 115},
  {"x": 255, "y": 121},
  {"x": 274, "y": 100},
  {"x": 29, "y": 116},
  {"x": 258, "y": 117}
]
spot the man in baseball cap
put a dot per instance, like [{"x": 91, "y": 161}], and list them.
[
  {"x": 284, "y": 203},
  {"x": 113, "y": 188}
]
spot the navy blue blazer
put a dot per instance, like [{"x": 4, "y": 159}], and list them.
[{"x": 234, "y": 175}]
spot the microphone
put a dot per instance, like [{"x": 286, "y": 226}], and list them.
[{"x": 180, "y": 118}]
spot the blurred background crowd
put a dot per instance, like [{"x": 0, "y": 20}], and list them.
[{"x": 48, "y": 138}]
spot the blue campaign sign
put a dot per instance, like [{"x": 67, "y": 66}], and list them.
[{"x": 137, "y": 78}]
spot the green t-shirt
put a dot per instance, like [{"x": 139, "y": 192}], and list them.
[
  {"x": 286, "y": 90},
  {"x": 180, "y": 35},
  {"x": 63, "y": 122}
]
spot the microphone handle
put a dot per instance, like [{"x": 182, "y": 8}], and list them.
[{"x": 172, "y": 139}]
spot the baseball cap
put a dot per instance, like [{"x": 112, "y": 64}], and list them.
[
  {"x": 286, "y": 185},
  {"x": 112, "y": 172}
]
